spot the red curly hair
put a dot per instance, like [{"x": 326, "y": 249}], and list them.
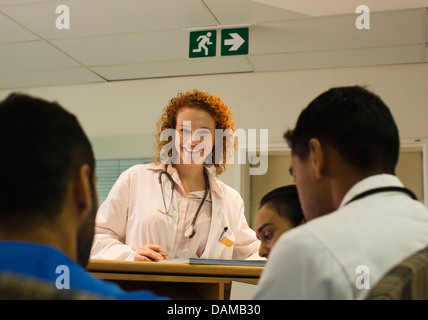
[{"x": 222, "y": 114}]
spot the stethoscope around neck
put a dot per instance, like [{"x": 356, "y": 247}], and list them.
[{"x": 190, "y": 231}]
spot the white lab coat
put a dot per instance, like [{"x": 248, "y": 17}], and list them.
[
  {"x": 129, "y": 218},
  {"x": 342, "y": 255}
]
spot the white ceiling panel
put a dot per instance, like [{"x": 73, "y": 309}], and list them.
[
  {"x": 339, "y": 58},
  {"x": 330, "y": 7},
  {"x": 232, "y": 12},
  {"x": 32, "y": 56},
  {"x": 175, "y": 68},
  {"x": 104, "y": 17},
  {"x": 10, "y": 31},
  {"x": 48, "y": 78},
  {"x": 126, "y": 49},
  {"x": 338, "y": 32},
  {"x": 21, "y": 2}
]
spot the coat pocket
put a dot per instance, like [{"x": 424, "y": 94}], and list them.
[{"x": 225, "y": 245}]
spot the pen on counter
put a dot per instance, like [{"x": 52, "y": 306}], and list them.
[
  {"x": 165, "y": 255},
  {"x": 161, "y": 253}
]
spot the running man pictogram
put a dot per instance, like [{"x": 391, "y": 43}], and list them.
[
  {"x": 202, "y": 44},
  {"x": 203, "y": 40}
]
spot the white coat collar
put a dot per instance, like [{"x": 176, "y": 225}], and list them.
[
  {"x": 214, "y": 186},
  {"x": 376, "y": 181}
]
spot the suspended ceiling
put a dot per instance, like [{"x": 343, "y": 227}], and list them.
[{"x": 112, "y": 40}]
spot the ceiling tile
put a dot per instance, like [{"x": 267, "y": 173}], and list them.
[
  {"x": 21, "y": 2},
  {"x": 247, "y": 12},
  {"x": 339, "y": 58},
  {"x": 104, "y": 17},
  {"x": 330, "y": 7},
  {"x": 32, "y": 56},
  {"x": 337, "y": 32},
  {"x": 10, "y": 31},
  {"x": 48, "y": 78},
  {"x": 175, "y": 68},
  {"x": 126, "y": 49}
]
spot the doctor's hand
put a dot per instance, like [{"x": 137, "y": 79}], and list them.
[{"x": 151, "y": 252}]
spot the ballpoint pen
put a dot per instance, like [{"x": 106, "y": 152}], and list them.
[
  {"x": 161, "y": 253},
  {"x": 221, "y": 236},
  {"x": 224, "y": 240}
]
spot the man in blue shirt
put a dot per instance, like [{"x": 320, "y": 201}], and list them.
[{"x": 48, "y": 198}]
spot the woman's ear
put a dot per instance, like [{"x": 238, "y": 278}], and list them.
[{"x": 317, "y": 157}]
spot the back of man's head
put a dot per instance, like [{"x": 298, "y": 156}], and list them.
[
  {"x": 354, "y": 122},
  {"x": 43, "y": 146}
]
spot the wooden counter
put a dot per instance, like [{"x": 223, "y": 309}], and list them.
[{"x": 175, "y": 280}]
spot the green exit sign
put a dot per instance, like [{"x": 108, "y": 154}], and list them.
[{"x": 233, "y": 42}]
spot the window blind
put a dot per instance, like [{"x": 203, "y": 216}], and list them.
[{"x": 108, "y": 170}]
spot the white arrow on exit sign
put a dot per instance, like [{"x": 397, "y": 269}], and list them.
[{"x": 236, "y": 42}]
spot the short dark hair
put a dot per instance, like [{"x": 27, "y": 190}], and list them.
[
  {"x": 43, "y": 146},
  {"x": 285, "y": 202},
  {"x": 353, "y": 121}
]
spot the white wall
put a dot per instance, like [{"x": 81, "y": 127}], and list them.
[{"x": 119, "y": 117}]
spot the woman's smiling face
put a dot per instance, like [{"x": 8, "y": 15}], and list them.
[{"x": 195, "y": 130}]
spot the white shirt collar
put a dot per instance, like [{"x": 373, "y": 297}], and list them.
[
  {"x": 215, "y": 188},
  {"x": 376, "y": 181}
]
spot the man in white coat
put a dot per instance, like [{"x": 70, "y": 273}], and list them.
[{"x": 361, "y": 220}]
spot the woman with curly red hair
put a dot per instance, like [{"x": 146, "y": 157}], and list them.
[{"x": 176, "y": 208}]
